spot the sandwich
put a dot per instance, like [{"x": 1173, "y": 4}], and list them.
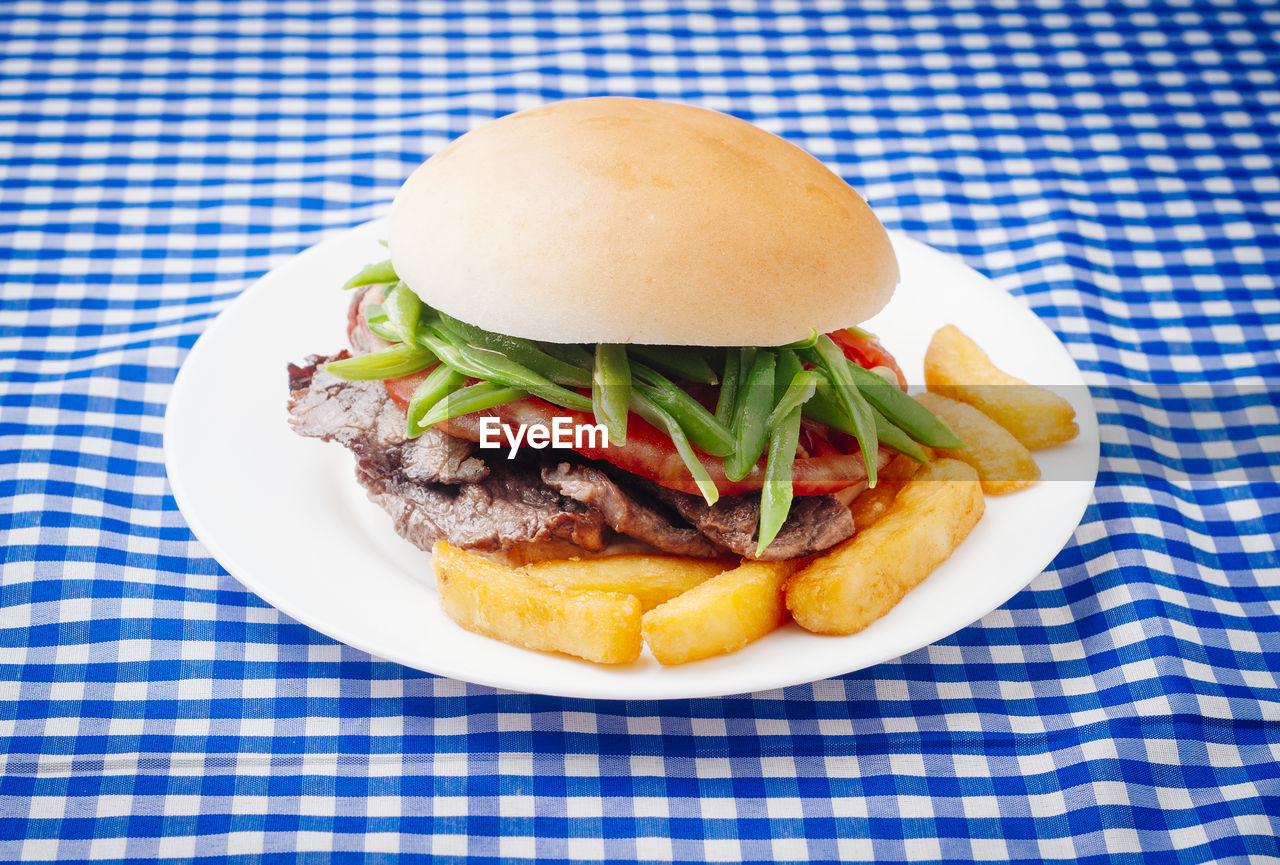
[{"x": 620, "y": 324}]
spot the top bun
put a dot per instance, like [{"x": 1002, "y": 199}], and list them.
[{"x": 627, "y": 220}]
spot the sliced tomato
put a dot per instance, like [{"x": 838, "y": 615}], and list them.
[
  {"x": 401, "y": 389},
  {"x": 867, "y": 353},
  {"x": 823, "y": 468},
  {"x": 651, "y": 454}
]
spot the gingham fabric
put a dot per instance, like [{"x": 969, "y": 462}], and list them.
[{"x": 1114, "y": 164}]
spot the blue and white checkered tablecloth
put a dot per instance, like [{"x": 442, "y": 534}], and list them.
[{"x": 1115, "y": 164}]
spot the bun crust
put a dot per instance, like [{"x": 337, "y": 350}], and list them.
[{"x": 629, "y": 220}]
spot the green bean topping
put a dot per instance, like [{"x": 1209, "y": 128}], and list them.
[
  {"x": 503, "y": 370},
  {"x": 894, "y": 437},
  {"x": 682, "y": 361},
  {"x": 654, "y": 414},
  {"x": 699, "y": 425},
  {"x": 569, "y": 352},
  {"x": 394, "y": 362},
  {"x": 523, "y": 351},
  {"x": 761, "y": 397},
  {"x": 449, "y": 351},
  {"x": 492, "y": 366},
  {"x": 808, "y": 342},
  {"x": 750, "y": 430},
  {"x": 916, "y": 420},
  {"x": 611, "y": 390},
  {"x": 776, "y": 495},
  {"x": 373, "y": 274},
  {"x": 784, "y": 371},
  {"x": 794, "y": 394},
  {"x": 473, "y": 398},
  {"x": 442, "y": 381},
  {"x": 403, "y": 309},
  {"x": 729, "y": 382},
  {"x": 376, "y": 318},
  {"x": 824, "y": 408},
  {"x": 828, "y": 357}
]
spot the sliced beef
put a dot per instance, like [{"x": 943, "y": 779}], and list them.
[
  {"x": 360, "y": 416},
  {"x": 814, "y": 524},
  {"x": 433, "y": 486},
  {"x": 683, "y": 524},
  {"x": 626, "y": 512},
  {"x": 437, "y": 487},
  {"x": 509, "y": 509}
]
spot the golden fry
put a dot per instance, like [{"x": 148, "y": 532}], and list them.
[
  {"x": 956, "y": 367},
  {"x": 1000, "y": 460},
  {"x": 860, "y": 580},
  {"x": 651, "y": 578},
  {"x": 510, "y": 606},
  {"x": 871, "y": 504},
  {"x": 721, "y": 615}
]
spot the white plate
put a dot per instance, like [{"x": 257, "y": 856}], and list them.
[{"x": 285, "y": 516}]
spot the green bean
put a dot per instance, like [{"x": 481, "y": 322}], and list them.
[
  {"x": 894, "y": 437},
  {"x": 828, "y": 357},
  {"x": 699, "y": 425},
  {"x": 503, "y": 370},
  {"x": 569, "y": 352},
  {"x": 394, "y": 362},
  {"x": 491, "y": 366},
  {"x": 611, "y": 390},
  {"x": 788, "y": 365},
  {"x": 380, "y": 328},
  {"x": 777, "y": 493},
  {"x": 442, "y": 381},
  {"x": 656, "y": 415},
  {"x": 449, "y": 352},
  {"x": 681, "y": 361},
  {"x": 403, "y": 309},
  {"x": 824, "y": 408},
  {"x": 523, "y": 351},
  {"x": 749, "y": 424},
  {"x": 795, "y": 393},
  {"x": 473, "y": 398},
  {"x": 808, "y": 342},
  {"x": 373, "y": 274},
  {"x": 376, "y": 320},
  {"x": 906, "y": 412},
  {"x": 729, "y": 383}
]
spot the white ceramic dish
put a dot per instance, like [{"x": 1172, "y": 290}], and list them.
[{"x": 285, "y": 516}]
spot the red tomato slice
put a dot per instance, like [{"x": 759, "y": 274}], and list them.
[
  {"x": 650, "y": 453},
  {"x": 867, "y": 353}
]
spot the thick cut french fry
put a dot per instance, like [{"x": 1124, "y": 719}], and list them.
[
  {"x": 721, "y": 615},
  {"x": 860, "y": 580},
  {"x": 871, "y": 504},
  {"x": 653, "y": 579},
  {"x": 956, "y": 367},
  {"x": 1001, "y": 461},
  {"x": 510, "y": 606}
]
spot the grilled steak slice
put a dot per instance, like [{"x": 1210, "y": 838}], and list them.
[
  {"x": 432, "y": 486},
  {"x": 814, "y": 524},
  {"x": 436, "y": 487},
  {"x": 511, "y": 508},
  {"x": 360, "y": 416},
  {"x": 626, "y": 513}
]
